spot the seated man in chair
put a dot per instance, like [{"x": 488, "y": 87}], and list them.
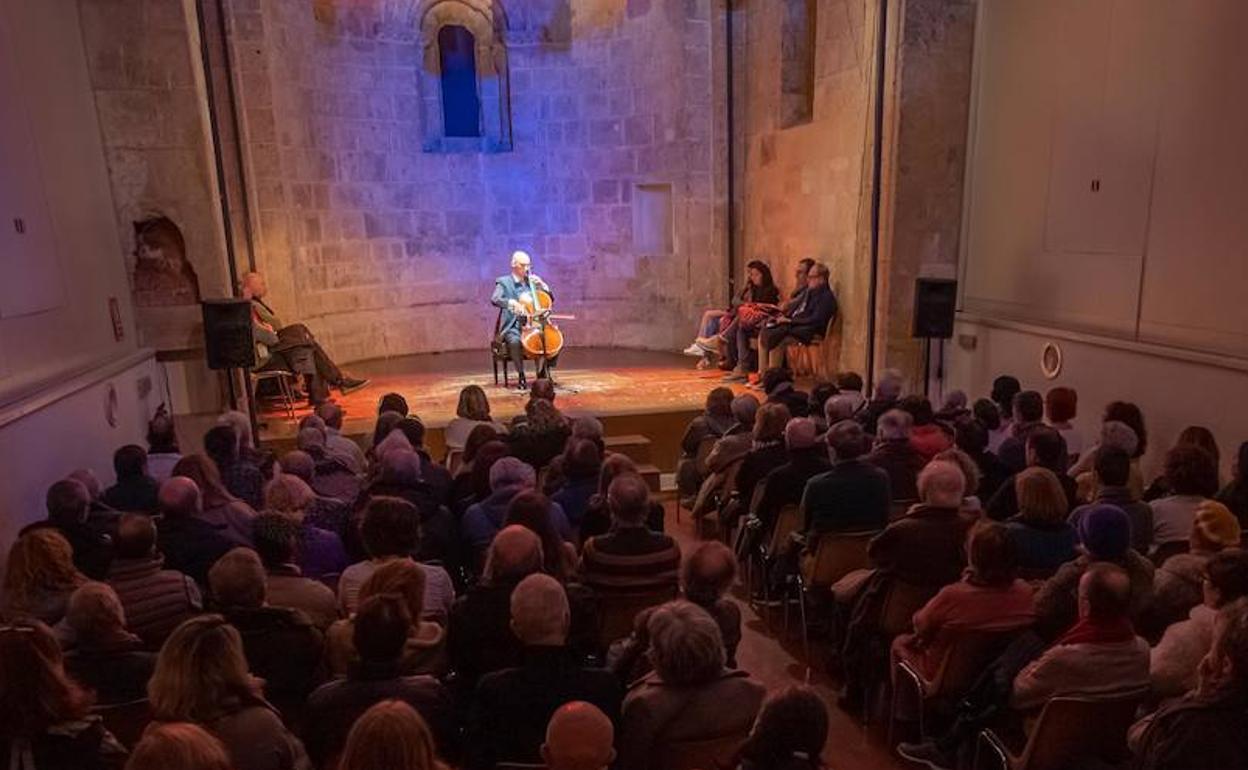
[
  {"x": 293, "y": 347},
  {"x": 509, "y": 291},
  {"x": 807, "y": 319}
]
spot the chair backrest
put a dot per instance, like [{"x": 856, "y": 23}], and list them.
[
  {"x": 756, "y": 499},
  {"x": 617, "y": 611},
  {"x": 709, "y": 754},
  {"x": 965, "y": 660},
  {"x": 126, "y": 721},
  {"x": 788, "y": 521},
  {"x": 1077, "y": 727},
  {"x": 836, "y": 555},
  {"x": 702, "y": 452},
  {"x": 902, "y": 601}
]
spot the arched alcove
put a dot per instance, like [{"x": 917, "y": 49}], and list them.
[{"x": 482, "y": 23}]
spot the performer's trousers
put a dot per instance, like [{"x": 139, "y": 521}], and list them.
[
  {"x": 299, "y": 352},
  {"x": 515, "y": 351},
  {"x": 772, "y": 344}
]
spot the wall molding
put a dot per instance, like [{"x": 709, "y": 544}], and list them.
[{"x": 27, "y": 399}]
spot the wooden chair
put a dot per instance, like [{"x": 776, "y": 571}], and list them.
[
  {"x": 499, "y": 354},
  {"x": 808, "y": 358},
  {"x": 285, "y": 381},
  {"x": 126, "y": 721},
  {"x": 1069, "y": 729},
  {"x": 718, "y": 485},
  {"x": 698, "y": 461},
  {"x": 617, "y": 611},
  {"x": 964, "y": 660},
  {"x": 708, "y": 754},
  {"x": 836, "y": 554},
  {"x": 902, "y": 601},
  {"x": 788, "y": 520}
]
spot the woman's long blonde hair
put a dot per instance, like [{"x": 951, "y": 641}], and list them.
[
  {"x": 201, "y": 672},
  {"x": 40, "y": 560},
  {"x": 393, "y": 736}
]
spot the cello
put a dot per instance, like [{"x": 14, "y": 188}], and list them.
[{"x": 539, "y": 336}]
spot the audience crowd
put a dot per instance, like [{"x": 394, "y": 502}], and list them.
[{"x": 368, "y": 607}]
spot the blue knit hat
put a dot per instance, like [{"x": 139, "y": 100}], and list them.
[{"x": 1105, "y": 532}]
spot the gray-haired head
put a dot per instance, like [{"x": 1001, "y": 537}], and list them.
[
  {"x": 743, "y": 410},
  {"x": 839, "y": 408},
  {"x": 894, "y": 425},
  {"x": 512, "y": 472},
  {"x": 889, "y": 386}
]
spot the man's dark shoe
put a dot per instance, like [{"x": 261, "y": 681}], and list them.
[{"x": 350, "y": 384}]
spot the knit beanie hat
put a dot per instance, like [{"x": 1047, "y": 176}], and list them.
[
  {"x": 1216, "y": 525},
  {"x": 1105, "y": 532},
  {"x": 800, "y": 433}
]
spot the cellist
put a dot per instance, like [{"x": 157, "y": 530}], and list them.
[{"x": 508, "y": 290}]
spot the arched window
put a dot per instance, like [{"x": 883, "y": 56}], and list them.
[{"x": 461, "y": 106}]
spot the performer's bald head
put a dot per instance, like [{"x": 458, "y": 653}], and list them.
[
  {"x": 254, "y": 285},
  {"x": 579, "y": 737}
]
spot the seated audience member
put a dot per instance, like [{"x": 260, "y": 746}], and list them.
[
  {"x": 1004, "y": 389},
  {"x": 178, "y": 746},
  {"x": 106, "y": 658},
  {"x": 1192, "y": 477},
  {"x": 45, "y": 716},
  {"x": 399, "y": 476},
  {"x": 954, "y": 410},
  {"x": 135, "y": 490},
  {"x": 1105, "y": 534},
  {"x": 928, "y": 437},
  {"x": 598, "y": 520},
  {"x": 532, "y": 510},
  {"x": 1113, "y": 473},
  {"x": 820, "y": 393},
  {"x": 1114, "y": 435},
  {"x": 1028, "y": 418},
  {"x": 767, "y": 453},
  {"x": 1061, "y": 406},
  {"x": 327, "y": 513},
  {"x": 201, "y": 677},
  {"x": 715, "y": 420},
  {"x": 1205, "y": 728},
  {"x": 737, "y": 440},
  {"x": 189, "y": 544},
  {"x": 338, "y": 444},
  {"x": 69, "y": 512},
  {"x": 509, "y": 477},
  {"x": 39, "y": 577},
  {"x": 852, "y": 496},
  {"x": 1178, "y": 582},
  {"x": 282, "y": 646},
  {"x": 393, "y": 402},
  {"x": 512, "y": 707},
  {"x": 390, "y": 735},
  {"x": 990, "y": 598},
  {"x": 1044, "y": 450},
  {"x": 987, "y": 414},
  {"x": 801, "y": 320},
  {"x": 925, "y": 547},
  {"x": 1126, "y": 432},
  {"x": 1099, "y": 656},
  {"x": 1175, "y": 660},
  {"x": 241, "y": 423},
  {"x": 838, "y": 408},
  {"x": 807, "y": 458},
  {"x": 433, "y": 474},
  {"x": 379, "y": 636},
  {"x": 102, "y": 517},
  {"x": 1192, "y": 436},
  {"x": 1043, "y": 538},
  {"x": 472, "y": 412},
  {"x": 895, "y": 455},
  {"x": 391, "y": 530},
  {"x": 332, "y": 476},
  {"x": 850, "y": 384},
  {"x": 705, "y": 578},
  {"x": 473, "y": 485},
  {"x": 162, "y": 446},
  {"x": 580, "y": 468},
  {"x": 777, "y": 385},
  {"x": 320, "y": 551},
  {"x": 631, "y": 557},
  {"x": 424, "y": 652},
  {"x": 239, "y": 475},
  {"x": 691, "y": 695},
  {"x": 480, "y": 636},
  {"x": 477, "y": 438},
  {"x": 1235, "y": 494},
  {"x": 154, "y": 599},
  {"x": 887, "y": 393},
  {"x": 971, "y": 436},
  {"x": 540, "y": 437},
  {"x": 971, "y": 505},
  {"x": 277, "y": 537},
  {"x": 579, "y": 737},
  {"x": 790, "y": 732},
  {"x": 219, "y": 508}
]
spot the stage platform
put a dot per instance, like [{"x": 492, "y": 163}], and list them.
[{"x": 634, "y": 393}]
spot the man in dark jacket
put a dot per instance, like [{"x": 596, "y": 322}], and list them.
[
  {"x": 807, "y": 319},
  {"x": 190, "y": 544},
  {"x": 895, "y": 455},
  {"x": 69, "y": 512},
  {"x": 1028, "y": 419},
  {"x": 135, "y": 490},
  {"x": 887, "y": 393},
  {"x": 926, "y": 547},
  {"x": 156, "y": 600},
  {"x": 854, "y": 494},
  {"x": 1045, "y": 449},
  {"x": 511, "y": 707},
  {"x": 1205, "y": 728},
  {"x": 786, "y": 484}
]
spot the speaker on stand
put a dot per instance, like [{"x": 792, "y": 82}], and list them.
[
  {"x": 230, "y": 346},
  {"x": 935, "y": 303}
]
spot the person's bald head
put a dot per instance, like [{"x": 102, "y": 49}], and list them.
[
  {"x": 1104, "y": 592},
  {"x": 68, "y": 502},
  {"x": 179, "y": 498},
  {"x": 515, "y": 552},
  {"x": 539, "y": 611},
  {"x": 579, "y": 737},
  {"x": 88, "y": 479},
  {"x": 254, "y": 285},
  {"x": 300, "y": 464}
]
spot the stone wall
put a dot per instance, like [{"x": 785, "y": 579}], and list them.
[{"x": 386, "y": 249}]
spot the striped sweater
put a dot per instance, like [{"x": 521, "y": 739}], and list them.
[{"x": 630, "y": 560}]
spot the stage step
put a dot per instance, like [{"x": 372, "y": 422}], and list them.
[
  {"x": 636, "y": 446},
  {"x": 651, "y": 474}
]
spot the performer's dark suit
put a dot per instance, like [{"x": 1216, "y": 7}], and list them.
[
  {"x": 294, "y": 349},
  {"x": 506, "y": 289}
]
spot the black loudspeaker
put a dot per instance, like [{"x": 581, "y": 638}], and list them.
[
  {"x": 228, "y": 340},
  {"x": 935, "y": 302}
]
